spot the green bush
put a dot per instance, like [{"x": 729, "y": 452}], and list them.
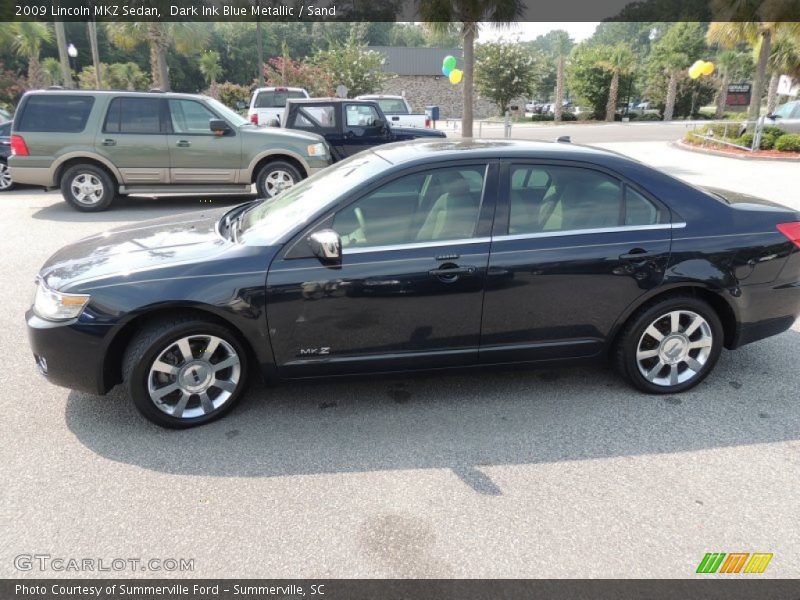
[
  {"x": 776, "y": 132},
  {"x": 768, "y": 141},
  {"x": 649, "y": 117},
  {"x": 788, "y": 142},
  {"x": 719, "y": 130},
  {"x": 745, "y": 140},
  {"x": 565, "y": 116}
]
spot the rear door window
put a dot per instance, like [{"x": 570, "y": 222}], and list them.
[
  {"x": 56, "y": 113},
  {"x": 276, "y": 99},
  {"x": 134, "y": 115}
]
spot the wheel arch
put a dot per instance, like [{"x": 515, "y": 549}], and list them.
[
  {"x": 292, "y": 159},
  {"x": 721, "y": 306},
  {"x": 67, "y": 161},
  {"x": 111, "y": 370}
]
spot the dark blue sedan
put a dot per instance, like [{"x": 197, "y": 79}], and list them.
[{"x": 418, "y": 256}]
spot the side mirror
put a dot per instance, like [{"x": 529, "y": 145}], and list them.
[
  {"x": 326, "y": 245},
  {"x": 241, "y": 105},
  {"x": 218, "y": 126},
  {"x": 773, "y": 116},
  {"x": 380, "y": 124}
]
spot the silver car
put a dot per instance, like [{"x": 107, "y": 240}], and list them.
[{"x": 786, "y": 116}]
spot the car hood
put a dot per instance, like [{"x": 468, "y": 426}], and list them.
[
  {"x": 296, "y": 135},
  {"x": 419, "y": 132},
  {"x": 132, "y": 249}
]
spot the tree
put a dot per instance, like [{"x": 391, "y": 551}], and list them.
[
  {"x": 784, "y": 59},
  {"x": 351, "y": 65},
  {"x": 126, "y": 76},
  {"x": 186, "y": 38},
  {"x": 562, "y": 44},
  {"x": 586, "y": 79},
  {"x": 63, "y": 58},
  {"x": 619, "y": 61},
  {"x": 439, "y": 14},
  {"x": 27, "y": 40},
  {"x": 284, "y": 71},
  {"x": 730, "y": 65},
  {"x": 671, "y": 56},
  {"x": 504, "y": 71},
  {"x": 732, "y": 30},
  {"x": 211, "y": 70},
  {"x": 52, "y": 71}
]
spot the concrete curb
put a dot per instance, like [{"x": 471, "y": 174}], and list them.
[{"x": 700, "y": 150}]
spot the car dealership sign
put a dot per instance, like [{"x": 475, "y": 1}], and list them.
[{"x": 738, "y": 94}]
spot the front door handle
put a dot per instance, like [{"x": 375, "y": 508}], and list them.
[
  {"x": 450, "y": 273},
  {"x": 109, "y": 142},
  {"x": 635, "y": 254},
  {"x": 183, "y": 143}
]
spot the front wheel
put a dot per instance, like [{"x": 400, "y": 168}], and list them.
[
  {"x": 670, "y": 346},
  {"x": 276, "y": 176},
  {"x": 5, "y": 177},
  {"x": 185, "y": 372}
]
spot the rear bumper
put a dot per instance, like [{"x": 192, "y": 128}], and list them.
[
  {"x": 68, "y": 354},
  {"x": 766, "y": 311},
  {"x": 30, "y": 175}
]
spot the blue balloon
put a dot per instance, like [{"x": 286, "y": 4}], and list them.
[{"x": 446, "y": 72}]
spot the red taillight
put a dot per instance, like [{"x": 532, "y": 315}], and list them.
[
  {"x": 18, "y": 146},
  {"x": 254, "y": 118},
  {"x": 427, "y": 122},
  {"x": 791, "y": 231}
]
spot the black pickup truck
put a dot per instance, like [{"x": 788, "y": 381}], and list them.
[{"x": 349, "y": 126}]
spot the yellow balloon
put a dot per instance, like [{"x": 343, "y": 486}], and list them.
[
  {"x": 455, "y": 76},
  {"x": 708, "y": 68},
  {"x": 694, "y": 72}
]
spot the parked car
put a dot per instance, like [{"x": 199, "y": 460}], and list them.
[
  {"x": 786, "y": 116},
  {"x": 5, "y": 151},
  {"x": 398, "y": 111},
  {"x": 415, "y": 256},
  {"x": 96, "y": 145},
  {"x": 349, "y": 126},
  {"x": 268, "y": 103}
]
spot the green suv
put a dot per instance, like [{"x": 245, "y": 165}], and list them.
[{"x": 96, "y": 145}]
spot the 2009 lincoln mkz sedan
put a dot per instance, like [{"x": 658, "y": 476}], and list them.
[{"x": 419, "y": 256}]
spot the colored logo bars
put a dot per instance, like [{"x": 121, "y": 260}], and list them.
[{"x": 735, "y": 562}]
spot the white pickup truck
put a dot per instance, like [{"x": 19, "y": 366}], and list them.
[
  {"x": 398, "y": 111},
  {"x": 267, "y": 103}
]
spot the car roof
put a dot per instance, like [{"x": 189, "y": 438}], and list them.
[
  {"x": 324, "y": 100},
  {"x": 281, "y": 88},
  {"x": 148, "y": 94},
  {"x": 427, "y": 150}
]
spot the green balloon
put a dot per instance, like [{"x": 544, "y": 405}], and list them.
[{"x": 449, "y": 62}]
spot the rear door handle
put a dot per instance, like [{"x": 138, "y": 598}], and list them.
[
  {"x": 183, "y": 143},
  {"x": 635, "y": 254},
  {"x": 109, "y": 142},
  {"x": 452, "y": 272}
]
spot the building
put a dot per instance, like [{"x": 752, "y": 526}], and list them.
[{"x": 418, "y": 77}]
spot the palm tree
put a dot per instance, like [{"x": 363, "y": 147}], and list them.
[
  {"x": 127, "y": 75},
  {"x": 52, "y": 70},
  {"x": 440, "y": 14},
  {"x": 562, "y": 44},
  {"x": 187, "y": 38},
  {"x": 729, "y": 34},
  {"x": 63, "y": 58},
  {"x": 730, "y": 64},
  {"x": 27, "y": 40},
  {"x": 91, "y": 31},
  {"x": 784, "y": 59},
  {"x": 211, "y": 70},
  {"x": 619, "y": 62}
]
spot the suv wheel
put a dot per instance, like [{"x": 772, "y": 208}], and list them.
[
  {"x": 670, "y": 346},
  {"x": 88, "y": 188},
  {"x": 276, "y": 176},
  {"x": 184, "y": 372},
  {"x": 5, "y": 177}
]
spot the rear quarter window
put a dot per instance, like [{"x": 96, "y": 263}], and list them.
[{"x": 56, "y": 113}]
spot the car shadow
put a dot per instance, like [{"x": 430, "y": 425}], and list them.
[
  {"x": 138, "y": 207},
  {"x": 459, "y": 422}
]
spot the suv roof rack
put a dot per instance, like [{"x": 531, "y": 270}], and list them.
[
  {"x": 55, "y": 87},
  {"x": 156, "y": 91}
]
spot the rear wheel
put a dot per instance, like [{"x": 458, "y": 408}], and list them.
[
  {"x": 185, "y": 372},
  {"x": 276, "y": 176},
  {"x": 88, "y": 188},
  {"x": 5, "y": 177},
  {"x": 670, "y": 346}
]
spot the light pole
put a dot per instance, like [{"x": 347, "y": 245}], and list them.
[{"x": 72, "y": 52}]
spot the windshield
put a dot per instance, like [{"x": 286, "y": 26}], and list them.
[
  {"x": 226, "y": 113},
  {"x": 393, "y": 105},
  {"x": 272, "y": 219},
  {"x": 785, "y": 110},
  {"x": 277, "y": 99}
]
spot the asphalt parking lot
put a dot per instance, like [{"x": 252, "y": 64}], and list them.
[{"x": 525, "y": 473}]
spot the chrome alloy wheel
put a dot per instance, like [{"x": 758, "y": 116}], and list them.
[
  {"x": 86, "y": 189},
  {"x": 5, "y": 177},
  {"x": 277, "y": 181},
  {"x": 674, "y": 348},
  {"x": 194, "y": 376}
]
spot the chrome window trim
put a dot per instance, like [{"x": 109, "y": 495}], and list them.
[
  {"x": 416, "y": 245},
  {"x": 619, "y": 229}
]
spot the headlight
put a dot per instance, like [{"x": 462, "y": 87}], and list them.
[
  {"x": 317, "y": 149},
  {"x": 55, "y": 306}
]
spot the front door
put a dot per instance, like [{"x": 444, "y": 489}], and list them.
[
  {"x": 573, "y": 249},
  {"x": 197, "y": 155},
  {"x": 361, "y": 131},
  {"x": 408, "y": 293},
  {"x": 134, "y": 139}
]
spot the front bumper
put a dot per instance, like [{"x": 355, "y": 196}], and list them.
[{"x": 70, "y": 353}]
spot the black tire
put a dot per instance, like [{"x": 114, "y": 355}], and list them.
[
  {"x": 633, "y": 334},
  {"x": 5, "y": 179},
  {"x": 151, "y": 343},
  {"x": 266, "y": 187},
  {"x": 94, "y": 176}
]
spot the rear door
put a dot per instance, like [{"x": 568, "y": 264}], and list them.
[
  {"x": 573, "y": 247},
  {"x": 196, "y": 154},
  {"x": 133, "y": 137}
]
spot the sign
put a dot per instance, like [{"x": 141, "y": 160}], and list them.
[{"x": 738, "y": 94}]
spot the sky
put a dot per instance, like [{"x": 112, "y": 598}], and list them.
[{"x": 529, "y": 31}]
